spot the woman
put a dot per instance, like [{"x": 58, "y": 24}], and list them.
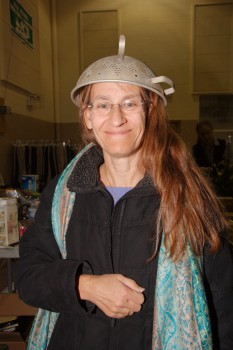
[{"x": 126, "y": 251}]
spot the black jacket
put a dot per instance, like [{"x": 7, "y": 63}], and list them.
[{"x": 104, "y": 239}]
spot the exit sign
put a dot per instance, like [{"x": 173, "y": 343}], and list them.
[{"x": 21, "y": 23}]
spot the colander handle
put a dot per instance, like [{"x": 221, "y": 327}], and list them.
[
  {"x": 163, "y": 79},
  {"x": 121, "y": 49}
]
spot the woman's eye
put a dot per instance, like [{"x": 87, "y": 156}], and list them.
[
  {"x": 102, "y": 106},
  {"x": 129, "y": 104}
]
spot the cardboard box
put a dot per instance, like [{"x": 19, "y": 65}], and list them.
[
  {"x": 11, "y": 305},
  {"x": 11, "y": 341},
  {"x": 9, "y": 230}
]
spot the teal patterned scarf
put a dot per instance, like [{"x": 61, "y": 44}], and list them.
[{"x": 181, "y": 319}]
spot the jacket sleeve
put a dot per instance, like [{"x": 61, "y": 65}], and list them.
[
  {"x": 218, "y": 270},
  {"x": 42, "y": 278}
]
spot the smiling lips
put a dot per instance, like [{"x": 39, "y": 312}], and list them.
[{"x": 117, "y": 133}]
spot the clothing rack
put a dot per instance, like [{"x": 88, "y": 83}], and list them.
[{"x": 46, "y": 158}]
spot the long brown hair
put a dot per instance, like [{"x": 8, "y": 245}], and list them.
[{"x": 189, "y": 209}]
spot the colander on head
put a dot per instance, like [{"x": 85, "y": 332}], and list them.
[{"x": 123, "y": 69}]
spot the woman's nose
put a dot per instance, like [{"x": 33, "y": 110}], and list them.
[{"x": 117, "y": 116}]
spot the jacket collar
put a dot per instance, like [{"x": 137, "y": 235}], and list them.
[{"x": 85, "y": 175}]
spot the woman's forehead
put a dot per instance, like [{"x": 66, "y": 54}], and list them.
[{"x": 110, "y": 88}]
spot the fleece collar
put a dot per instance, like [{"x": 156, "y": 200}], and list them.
[{"x": 85, "y": 175}]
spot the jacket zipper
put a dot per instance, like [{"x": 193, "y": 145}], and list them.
[{"x": 114, "y": 322}]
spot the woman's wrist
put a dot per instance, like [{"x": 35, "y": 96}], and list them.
[{"x": 84, "y": 287}]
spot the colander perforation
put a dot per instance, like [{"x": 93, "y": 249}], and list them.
[{"x": 121, "y": 68}]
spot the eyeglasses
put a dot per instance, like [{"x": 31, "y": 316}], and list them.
[{"x": 130, "y": 105}]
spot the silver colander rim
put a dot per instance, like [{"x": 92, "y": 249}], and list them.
[{"x": 124, "y": 69}]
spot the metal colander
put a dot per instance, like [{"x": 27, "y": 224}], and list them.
[{"x": 123, "y": 69}]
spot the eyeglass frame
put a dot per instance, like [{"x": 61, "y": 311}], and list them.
[{"x": 120, "y": 105}]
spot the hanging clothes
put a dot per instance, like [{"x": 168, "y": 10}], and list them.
[{"x": 43, "y": 158}]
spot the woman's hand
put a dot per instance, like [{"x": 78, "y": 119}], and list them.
[{"x": 117, "y": 296}]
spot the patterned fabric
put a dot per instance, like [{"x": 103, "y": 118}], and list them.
[{"x": 181, "y": 319}]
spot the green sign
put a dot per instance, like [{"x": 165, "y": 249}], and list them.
[{"x": 21, "y": 22}]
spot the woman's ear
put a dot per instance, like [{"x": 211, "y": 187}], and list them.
[{"x": 87, "y": 118}]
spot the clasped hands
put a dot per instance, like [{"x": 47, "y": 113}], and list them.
[{"x": 116, "y": 295}]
